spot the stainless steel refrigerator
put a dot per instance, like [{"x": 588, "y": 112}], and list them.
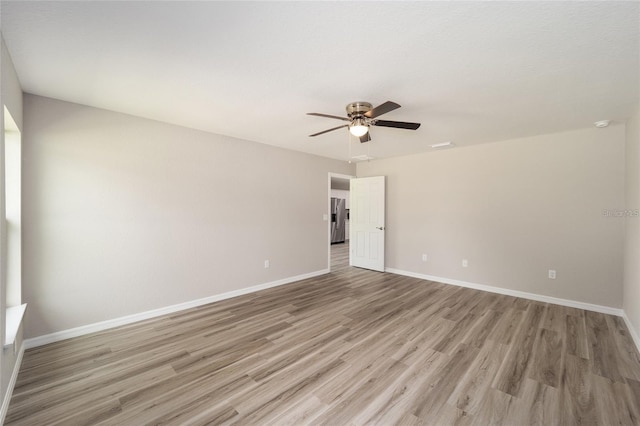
[{"x": 338, "y": 216}]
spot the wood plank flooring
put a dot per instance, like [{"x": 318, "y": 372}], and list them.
[{"x": 350, "y": 347}]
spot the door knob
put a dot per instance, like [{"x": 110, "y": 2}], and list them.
[{"x": 380, "y": 228}]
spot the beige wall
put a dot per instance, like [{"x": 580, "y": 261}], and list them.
[
  {"x": 11, "y": 97},
  {"x": 514, "y": 209},
  {"x": 123, "y": 215},
  {"x": 632, "y": 235}
]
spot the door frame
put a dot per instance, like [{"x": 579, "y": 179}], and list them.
[{"x": 328, "y": 211}]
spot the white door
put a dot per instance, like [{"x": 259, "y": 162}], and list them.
[{"x": 366, "y": 221}]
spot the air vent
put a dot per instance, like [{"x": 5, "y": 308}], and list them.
[
  {"x": 363, "y": 157},
  {"x": 443, "y": 145}
]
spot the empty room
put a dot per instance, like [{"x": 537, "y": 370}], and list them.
[{"x": 320, "y": 213}]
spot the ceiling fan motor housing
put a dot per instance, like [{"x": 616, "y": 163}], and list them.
[{"x": 357, "y": 109}]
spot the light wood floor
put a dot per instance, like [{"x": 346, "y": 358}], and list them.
[{"x": 350, "y": 347}]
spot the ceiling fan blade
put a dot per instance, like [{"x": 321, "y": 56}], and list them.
[
  {"x": 365, "y": 138},
  {"x": 329, "y": 130},
  {"x": 328, "y": 116},
  {"x": 396, "y": 124},
  {"x": 382, "y": 109}
]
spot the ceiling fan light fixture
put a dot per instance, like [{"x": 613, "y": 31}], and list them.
[{"x": 358, "y": 128}]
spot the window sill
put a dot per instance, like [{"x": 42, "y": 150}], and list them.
[{"x": 15, "y": 314}]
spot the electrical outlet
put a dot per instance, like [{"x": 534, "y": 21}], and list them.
[
  {"x": 552, "y": 274},
  {"x": 465, "y": 263},
  {"x": 266, "y": 264},
  {"x": 424, "y": 257}
]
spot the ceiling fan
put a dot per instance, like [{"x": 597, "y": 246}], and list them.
[{"x": 362, "y": 115}]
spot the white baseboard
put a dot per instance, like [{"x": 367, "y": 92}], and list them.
[
  {"x": 515, "y": 293},
  {"x": 12, "y": 384},
  {"x": 116, "y": 322},
  {"x": 634, "y": 333}
]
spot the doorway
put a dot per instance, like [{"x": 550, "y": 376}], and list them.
[{"x": 338, "y": 221}]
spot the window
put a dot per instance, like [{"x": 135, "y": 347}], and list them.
[{"x": 12, "y": 229}]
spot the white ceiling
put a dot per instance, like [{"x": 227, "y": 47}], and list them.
[{"x": 470, "y": 72}]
